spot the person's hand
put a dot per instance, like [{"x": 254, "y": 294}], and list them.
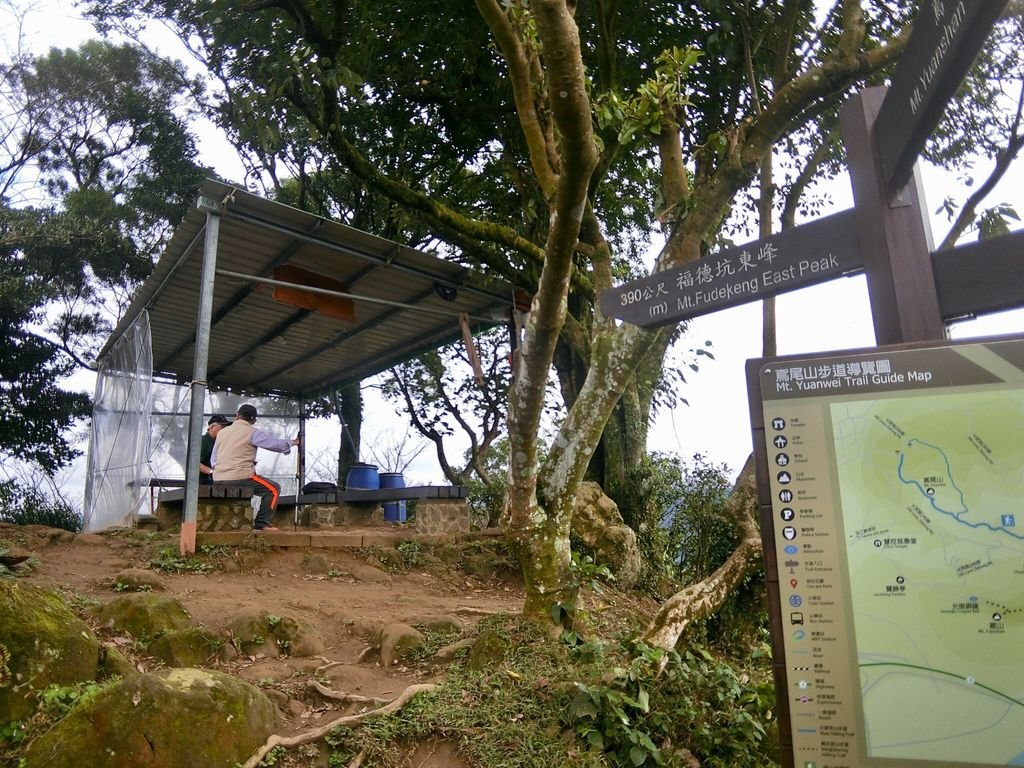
[{"x": 297, "y": 441}]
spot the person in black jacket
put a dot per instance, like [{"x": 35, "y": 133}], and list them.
[{"x": 213, "y": 426}]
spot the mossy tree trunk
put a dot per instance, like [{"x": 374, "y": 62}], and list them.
[{"x": 559, "y": 133}]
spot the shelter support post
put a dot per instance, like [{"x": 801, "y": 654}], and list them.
[
  {"x": 895, "y": 239},
  {"x": 300, "y": 463},
  {"x": 198, "y": 388}
]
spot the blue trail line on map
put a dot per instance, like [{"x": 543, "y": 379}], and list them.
[{"x": 931, "y": 499}]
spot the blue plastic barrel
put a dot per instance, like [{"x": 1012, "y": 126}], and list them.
[
  {"x": 394, "y": 511},
  {"x": 362, "y": 477}
]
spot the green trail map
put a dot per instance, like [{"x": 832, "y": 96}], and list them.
[{"x": 932, "y": 503}]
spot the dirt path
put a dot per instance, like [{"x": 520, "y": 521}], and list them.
[{"x": 343, "y": 593}]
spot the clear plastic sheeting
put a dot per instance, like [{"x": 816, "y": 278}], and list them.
[
  {"x": 118, "y": 472},
  {"x": 169, "y": 442},
  {"x": 139, "y": 436}
]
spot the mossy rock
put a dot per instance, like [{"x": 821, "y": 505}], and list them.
[
  {"x": 597, "y": 522},
  {"x": 42, "y": 643},
  {"x": 489, "y": 650},
  {"x": 262, "y": 634},
  {"x": 142, "y": 615},
  {"x": 398, "y": 642},
  {"x": 189, "y": 647},
  {"x": 177, "y": 717},
  {"x": 114, "y": 664},
  {"x": 138, "y": 580}
]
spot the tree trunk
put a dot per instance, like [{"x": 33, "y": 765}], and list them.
[{"x": 349, "y": 404}]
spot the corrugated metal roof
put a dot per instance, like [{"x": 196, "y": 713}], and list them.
[{"x": 259, "y": 344}]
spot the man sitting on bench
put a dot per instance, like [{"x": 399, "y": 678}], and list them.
[{"x": 234, "y": 461}]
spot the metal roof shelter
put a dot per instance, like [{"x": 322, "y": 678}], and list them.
[
  {"x": 405, "y": 301},
  {"x": 258, "y": 297}
]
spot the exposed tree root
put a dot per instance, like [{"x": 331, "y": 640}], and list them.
[
  {"x": 347, "y": 698},
  {"x": 319, "y": 732},
  {"x": 447, "y": 653},
  {"x": 467, "y": 610}
]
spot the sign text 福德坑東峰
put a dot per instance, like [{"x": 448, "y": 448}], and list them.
[{"x": 812, "y": 253}]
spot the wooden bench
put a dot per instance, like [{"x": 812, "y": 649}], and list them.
[
  {"x": 209, "y": 492},
  {"x": 225, "y": 507}
]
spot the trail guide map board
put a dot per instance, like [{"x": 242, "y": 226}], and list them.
[{"x": 896, "y": 524}]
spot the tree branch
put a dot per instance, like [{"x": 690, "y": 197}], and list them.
[
  {"x": 1004, "y": 159},
  {"x": 520, "y": 70}
]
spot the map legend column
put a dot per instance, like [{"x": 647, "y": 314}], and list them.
[{"x": 809, "y": 536}]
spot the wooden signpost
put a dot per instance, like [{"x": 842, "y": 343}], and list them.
[
  {"x": 813, "y": 253},
  {"x": 945, "y": 40},
  {"x": 913, "y": 293}
]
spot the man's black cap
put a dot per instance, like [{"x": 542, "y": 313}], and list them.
[
  {"x": 247, "y": 412},
  {"x": 218, "y": 419}
]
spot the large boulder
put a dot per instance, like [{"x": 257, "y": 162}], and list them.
[
  {"x": 597, "y": 522},
  {"x": 41, "y": 643},
  {"x": 168, "y": 719},
  {"x": 143, "y": 615},
  {"x": 259, "y": 633}
]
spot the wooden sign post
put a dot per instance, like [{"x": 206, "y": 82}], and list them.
[{"x": 913, "y": 293}]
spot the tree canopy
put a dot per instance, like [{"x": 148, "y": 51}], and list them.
[{"x": 97, "y": 163}]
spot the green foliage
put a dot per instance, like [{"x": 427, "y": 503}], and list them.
[
  {"x": 590, "y": 705},
  {"x": 589, "y": 573},
  {"x": 684, "y": 534},
  {"x": 214, "y": 550},
  {"x": 24, "y": 505},
  {"x": 56, "y": 700},
  {"x": 660, "y": 95},
  {"x": 411, "y": 551},
  {"x": 273, "y": 757},
  {"x": 996, "y": 221},
  {"x": 13, "y": 733},
  {"x": 122, "y": 587},
  {"x": 53, "y": 703},
  {"x": 96, "y": 131},
  {"x": 657, "y": 698},
  {"x": 171, "y": 560},
  {"x": 487, "y": 499}
]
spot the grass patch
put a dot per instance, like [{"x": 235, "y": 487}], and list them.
[{"x": 170, "y": 560}]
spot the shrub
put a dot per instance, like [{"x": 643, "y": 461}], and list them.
[
  {"x": 24, "y": 505},
  {"x": 660, "y": 698}
]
